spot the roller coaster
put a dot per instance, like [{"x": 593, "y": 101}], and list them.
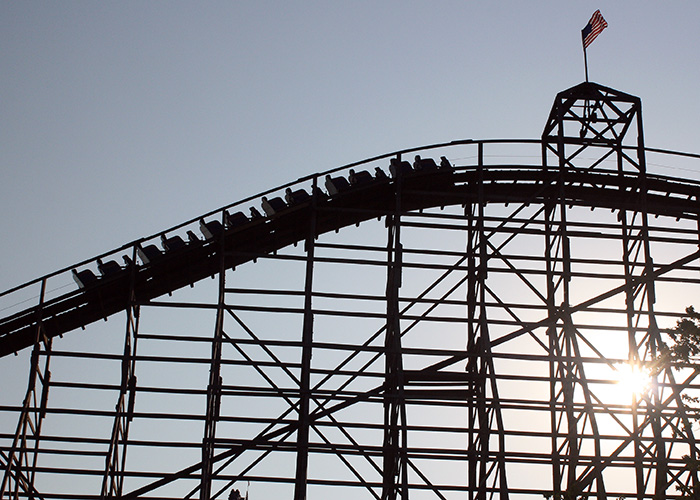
[{"x": 453, "y": 321}]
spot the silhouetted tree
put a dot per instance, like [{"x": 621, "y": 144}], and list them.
[{"x": 683, "y": 351}]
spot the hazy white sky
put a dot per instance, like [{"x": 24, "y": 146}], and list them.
[{"x": 120, "y": 119}]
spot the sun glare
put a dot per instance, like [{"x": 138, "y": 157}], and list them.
[{"x": 632, "y": 380}]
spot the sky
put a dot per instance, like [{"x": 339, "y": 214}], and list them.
[{"x": 121, "y": 119}]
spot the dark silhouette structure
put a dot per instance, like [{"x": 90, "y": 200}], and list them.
[{"x": 454, "y": 327}]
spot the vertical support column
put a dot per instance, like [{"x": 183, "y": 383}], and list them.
[
  {"x": 485, "y": 477},
  {"x": 302, "y": 465},
  {"x": 692, "y": 482},
  {"x": 633, "y": 348},
  {"x": 115, "y": 460},
  {"x": 550, "y": 255},
  {"x": 554, "y": 351},
  {"x": 394, "y": 464},
  {"x": 560, "y": 334},
  {"x": 640, "y": 297},
  {"x": 568, "y": 417},
  {"x": 564, "y": 428},
  {"x": 215, "y": 382},
  {"x": 481, "y": 341},
  {"x": 18, "y": 479},
  {"x": 655, "y": 341},
  {"x": 476, "y": 402}
]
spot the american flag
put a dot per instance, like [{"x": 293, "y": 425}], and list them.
[{"x": 593, "y": 28}]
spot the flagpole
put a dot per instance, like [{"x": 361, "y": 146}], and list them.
[
  {"x": 585, "y": 62},
  {"x": 585, "y": 66}
]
